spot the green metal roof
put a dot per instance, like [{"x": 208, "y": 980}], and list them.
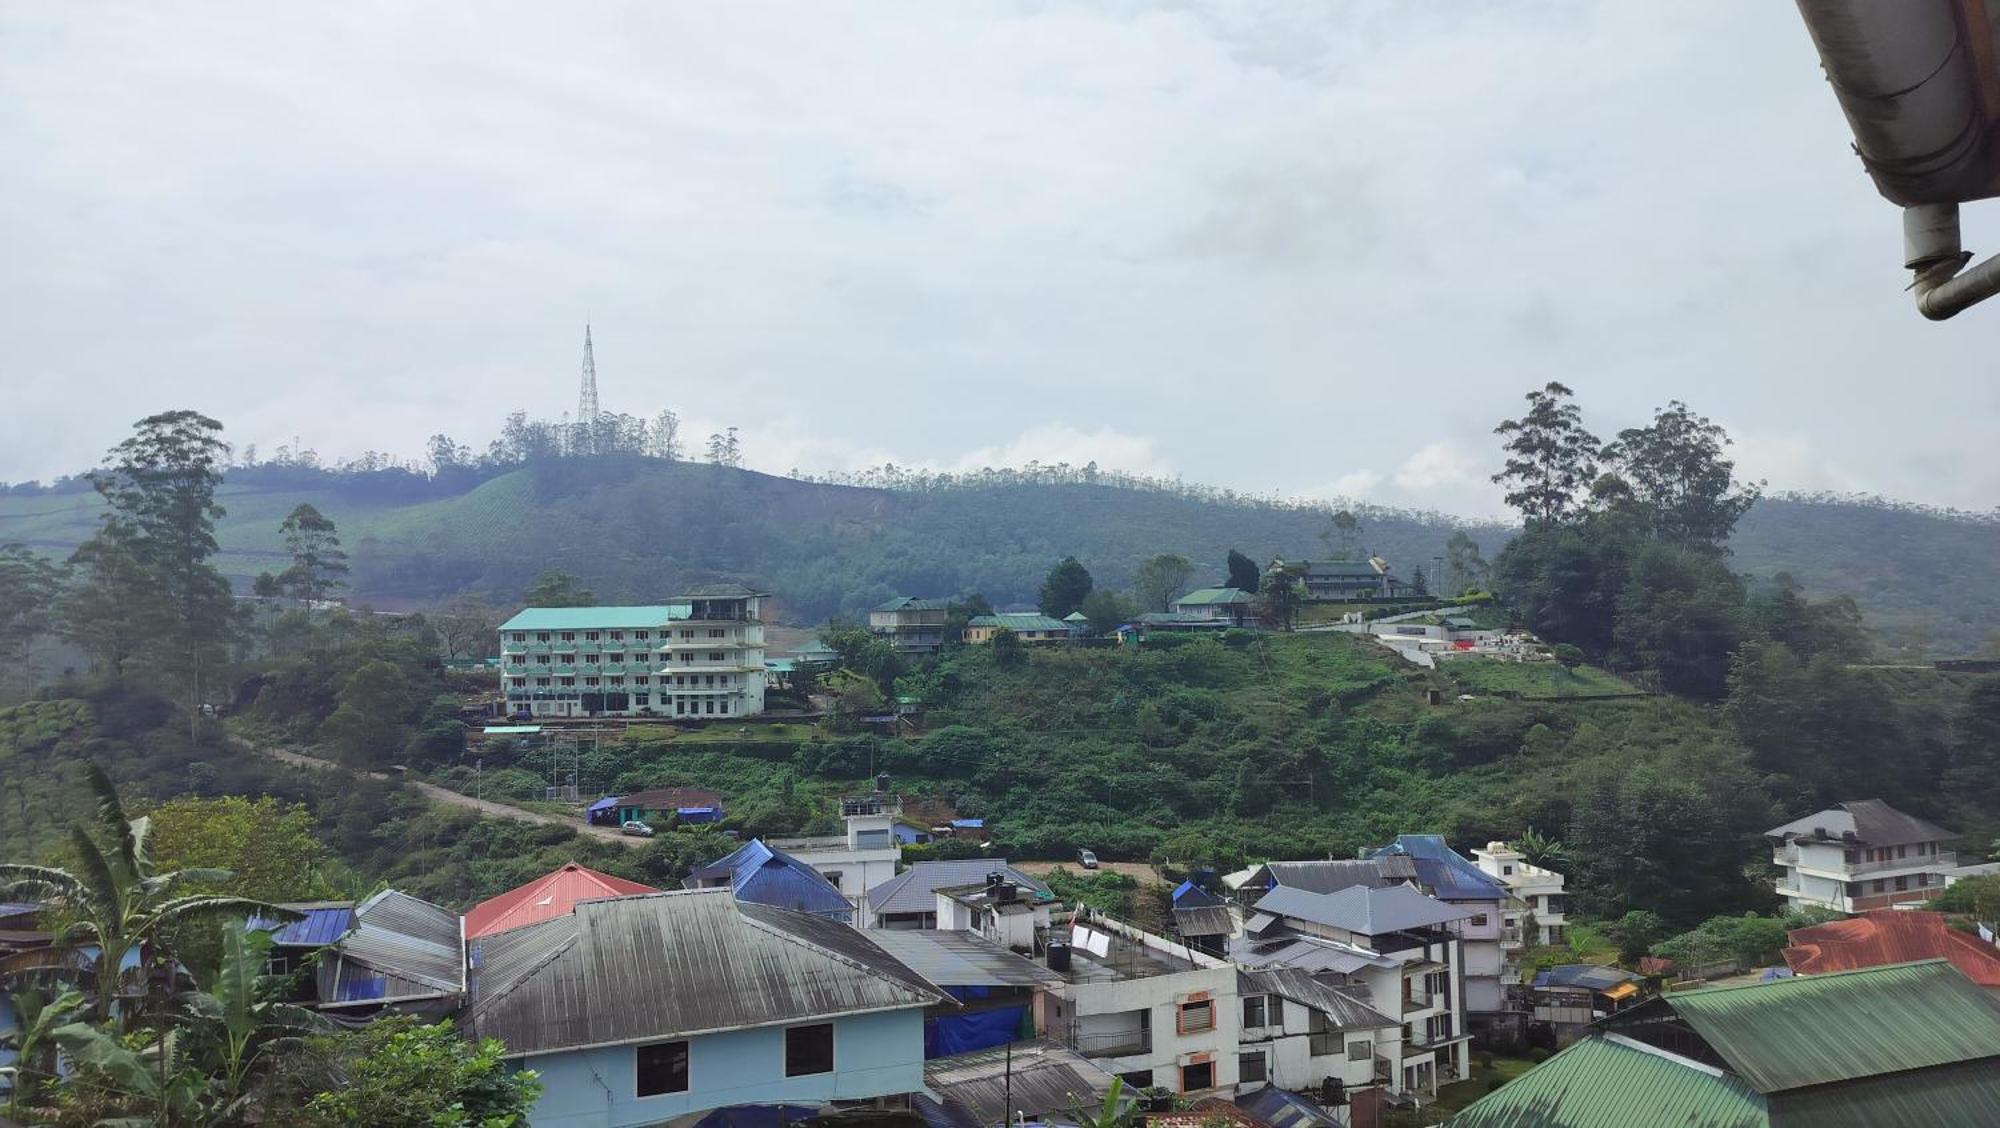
[
  {"x": 1019, "y": 621},
  {"x": 1203, "y": 597},
  {"x": 591, "y": 618},
  {"x": 1816, "y": 1029},
  {"x": 1967, "y": 1093},
  {"x": 911, "y": 603},
  {"x": 1605, "y": 1082},
  {"x": 510, "y": 730}
]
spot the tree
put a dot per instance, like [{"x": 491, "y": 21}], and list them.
[
  {"x": 1675, "y": 472},
  {"x": 1464, "y": 568},
  {"x": 368, "y": 726},
  {"x": 1106, "y": 610},
  {"x": 1065, "y": 588},
  {"x": 1282, "y": 595},
  {"x": 1635, "y": 933},
  {"x": 724, "y": 448},
  {"x": 159, "y": 490},
  {"x": 317, "y": 561},
  {"x": 268, "y": 848},
  {"x": 1550, "y": 457},
  {"x": 1243, "y": 575},
  {"x": 1161, "y": 580},
  {"x": 1343, "y": 536},
  {"x": 446, "y": 455},
  {"x": 397, "y": 1073},
  {"x": 467, "y": 624},
  {"x": 556, "y": 588},
  {"x": 663, "y": 441},
  {"x": 1008, "y": 650},
  {"x": 29, "y": 585},
  {"x": 115, "y": 604},
  {"x": 37, "y": 1016},
  {"x": 117, "y": 902}
]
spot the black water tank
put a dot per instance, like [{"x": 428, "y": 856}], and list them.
[
  {"x": 882, "y": 783},
  {"x": 1058, "y": 955}
]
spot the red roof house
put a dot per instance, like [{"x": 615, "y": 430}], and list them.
[
  {"x": 1889, "y": 936},
  {"x": 545, "y": 898}
]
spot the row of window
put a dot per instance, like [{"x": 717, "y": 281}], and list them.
[
  {"x": 683, "y": 707},
  {"x": 612, "y": 636},
  {"x": 687, "y": 681},
  {"x": 593, "y": 659},
  {"x": 1903, "y": 884},
  {"x": 662, "y": 1067}
]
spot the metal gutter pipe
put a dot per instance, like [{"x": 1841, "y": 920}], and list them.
[{"x": 1931, "y": 248}]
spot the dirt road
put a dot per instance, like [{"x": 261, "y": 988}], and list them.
[{"x": 486, "y": 808}]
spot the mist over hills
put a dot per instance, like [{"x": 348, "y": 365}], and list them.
[{"x": 632, "y": 528}]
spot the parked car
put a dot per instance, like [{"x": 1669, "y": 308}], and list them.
[
  {"x": 1087, "y": 859},
  {"x": 635, "y": 828}
]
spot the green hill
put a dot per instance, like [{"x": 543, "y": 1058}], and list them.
[{"x": 633, "y": 527}]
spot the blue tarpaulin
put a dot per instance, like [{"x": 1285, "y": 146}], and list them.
[
  {"x": 604, "y": 804},
  {"x": 699, "y": 814},
  {"x": 979, "y": 1030}
]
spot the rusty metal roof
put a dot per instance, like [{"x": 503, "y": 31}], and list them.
[
  {"x": 674, "y": 964},
  {"x": 1886, "y": 936},
  {"x": 1047, "y": 1082}
]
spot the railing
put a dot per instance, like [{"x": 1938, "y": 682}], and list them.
[
  {"x": 1115, "y": 1045},
  {"x": 1942, "y": 860},
  {"x": 1414, "y": 1003}
]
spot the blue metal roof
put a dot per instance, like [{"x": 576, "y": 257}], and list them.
[
  {"x": 763, "y": 876},
  {"x": 1188, "y": 895},
  {"x": 315, "y": 928},
  {"x": 604, "y": 804},
  {"x": 969, "y": 824},
  {"x": 1284, "y": 1110},
  {"x": 1593, "y": 976},
  {"x": 1442, "y": 870}
]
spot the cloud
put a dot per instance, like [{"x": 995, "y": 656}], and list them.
[{"x": 1354, "y": 486}]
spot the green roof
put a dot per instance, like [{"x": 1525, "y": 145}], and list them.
[
  {"x": 911, "y": 603},
  {"x": 591, "y": 618},
  {"x": 1967, "y": 1093},
  {"x": 1610, "y": 1082},
  {"x": 1019, "y": 621},
  {"x": 1815, "y": 1029},
  {"x": 1205, "y": 596}
]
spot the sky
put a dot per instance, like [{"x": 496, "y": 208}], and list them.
[{"x": 1315, "y": 249}]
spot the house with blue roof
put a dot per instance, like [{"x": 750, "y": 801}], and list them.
[
  {"x": 762, "y": 875},
  {"x": 1450, "y": 877}
]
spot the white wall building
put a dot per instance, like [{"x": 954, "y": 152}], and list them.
[
  {"x": 1538, "y": 893},
  {"x": 1148, "y": 1009},
  {"x": 700, "y": 655},
  {"x": 1860, "y": 855},
  {"x": 861, "y": 859}
]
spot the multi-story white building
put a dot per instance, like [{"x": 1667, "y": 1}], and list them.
[
  {"x": 699, "y": 655},
  {"x": 1860, "y": 855},
  {"x": 912, "y": 625},
  {"x": 1148, "y": 1009},
  {"x": 1538, "y": 895},
  {"x": 860, "y": 859}
]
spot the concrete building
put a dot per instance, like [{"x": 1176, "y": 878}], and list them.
[
  {"x": 1231, "y": 606},
  {"x": 1030, "y": 626},
  {"x": 1331, "y": 580},
  {"x": 912, "y": 625},
  {"x": 860, "y": 859},
  {"x": 1445, "y": 874},
  {"x": 756, "y": 1006},
  {"x": 909, "y": 899},
  {"x": 1860, "y": 855},
  {"x": 1538, "y": 899},
  {"x": 1301, "y": 1031},
  {"x": 698, "y": 656},
  {"x": 1012, "y": 916},
  {"x": 1145, "y": 1008},
  {"x": 1394, "y": 944}
]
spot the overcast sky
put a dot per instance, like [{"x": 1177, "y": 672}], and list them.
[{"x": 1317, "y": 247}]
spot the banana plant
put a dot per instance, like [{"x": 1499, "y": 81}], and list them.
[
  {"x": 238, "y": 1020},
  {"x": 160, "y": 1078},
  {"x": 36, "y": 1019},
  {"x": 115, "y": 903}
]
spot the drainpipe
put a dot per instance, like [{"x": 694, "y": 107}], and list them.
[{"x": 1931, "y": 249}]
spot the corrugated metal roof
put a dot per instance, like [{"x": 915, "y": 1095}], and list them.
[
  {"x": 1018, "y": 621},
  {"x": 1815, "y": 1029},
  {"x": 1343, "y": 1010},
  {"x": 1443, "y": 871},
  {"x": 1334, "y": 876},
  {"x": 719, "y": 591},
  {"x": 1188, "y": 895},
  {"x": 589, "y": 618},
  {"x": 1204, "y": 920},
  {"x": 1967, "y": 1093},
  {"x": 1306, "y": 953},
  {"x": 1281, "y": 1109},
  {"x": 550, "y": 895},
  {"x": 1887, "y": 936},
  {"x": 672, "y": 964},
  {"x": 763, "y": 875},
  {"x": 1871, "y": 820},
  {"x": 406, "y": 939},
  {"x": 1359, "y": 909},
  {"x": 318, "y": 925},
  {"x": 1215, "y": 596},
  {"x": 914, "y": 890},
  {"x": 1593, "y": 976},
  {"x": 960, "y": 959},
  {"x": 1604, "y": 1083},
  {"x": 1048, "y": 1081},
  {"x": 911, "y": 603},
  {"x": 1332, "y": 568}
]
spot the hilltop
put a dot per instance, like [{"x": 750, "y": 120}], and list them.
[{"x": 631, "y": 527}]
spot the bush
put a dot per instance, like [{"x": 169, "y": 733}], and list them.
[{"x": 1538, "y": 1055}]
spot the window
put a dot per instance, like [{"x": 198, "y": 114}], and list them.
[
  {"x": 1277, "y": 1011},
  {"x": 1438, "y": 1028},
  {"x": 590, "y": 636},
  {"x": 687, "y": 634},
  {"x": 565, "y": 681},
  {"x": 715, "y": 655},
  {"x": 541, "y": 659},
  {"x": 1902, "y": 851},
  {"x": 1137, "y": 1079},
  {"x": 541, "y": 681},
  {"x": 1250, "y": 1068},
  {"x": 716, "y": 632},
  {"x": 1506, "y": 871},
  {"x": 520, "y": 637},
  {"x": 642, "y": 679},
  {"x": 569, "y": 636},
  {"x": 1902, "y": 883},
  {"x": 1197, "y": 1017},
  {"x": 642, "y": 636},
  {"x": 614, "y": 657},
  {"x": 542, "y": 636},
  {"x": 662, "y": 1068},
  {"x": 590, "y": 681},
  {"x": 1880, "y": 885},
  {"x": 1195, "y": 1078},
  {"x": 1253, "y": 1010},
  {"x": 641, "y": 700},
  {"x": 809, "y": 1050},
  {"x": 1479, "y": 920}
]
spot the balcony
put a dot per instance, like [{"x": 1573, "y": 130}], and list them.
[
  {"x": 1418, "y": 1002},
  {"x": 1789, "y": 858}
]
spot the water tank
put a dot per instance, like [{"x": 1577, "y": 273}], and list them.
[
  {"x": 1005, "y": 892},
  {"x": 1058, "y": 955},
  {"x": 882, "y": 783}
]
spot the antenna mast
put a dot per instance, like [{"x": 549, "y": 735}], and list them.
[{"x": 586, "y": 400}]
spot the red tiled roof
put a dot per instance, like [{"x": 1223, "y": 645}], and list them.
[
  {"x": 1888, "y": 936},
  {"x": 545, "y": 898}
]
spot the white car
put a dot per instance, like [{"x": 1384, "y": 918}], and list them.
[{"x": 635, "y": 828}]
